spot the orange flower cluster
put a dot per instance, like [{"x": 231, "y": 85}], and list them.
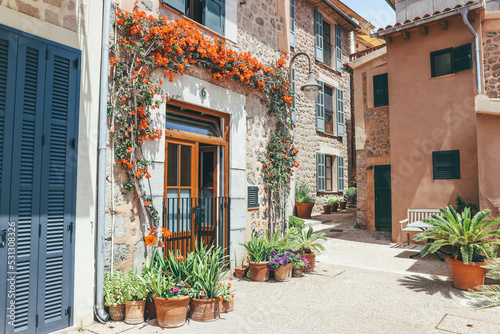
[{"x": 152, "y": 238}]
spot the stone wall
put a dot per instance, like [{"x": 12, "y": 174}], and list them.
[
  {"x": 69, "y": 14},
  {"x": 491, "y": 45}
]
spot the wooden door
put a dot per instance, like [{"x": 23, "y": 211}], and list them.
[
  {"x": 207, "y": 205},
  {"x": 383, "y": 206}
]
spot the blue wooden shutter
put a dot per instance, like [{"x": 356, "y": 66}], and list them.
[
  {"x": 340, "y": 173},
  {"x": 293, "y": 109},
  {"x": 26, "y": 164},
  {"x": 318, "y": 31},
  {"x": 320, "y": 172},
  {"x": 340, "y": 113},
  {"x": 292, "y": 23},
  {"x": 320, "y": 108},
  {"x": 180, "y": 5},
  {"x": 338, "y": 47},
  {"x": 58, "y": 188},
  {"x": 214, "y": 15}
]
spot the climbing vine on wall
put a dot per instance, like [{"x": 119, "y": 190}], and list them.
[{"x": 146, "y": 46}]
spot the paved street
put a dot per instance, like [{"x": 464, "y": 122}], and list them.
[{"x": 362, "y": 284}]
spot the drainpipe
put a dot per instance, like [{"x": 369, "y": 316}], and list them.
[
  {"x": 99, "y": 311},
  {"x": 464, "y": 11}
]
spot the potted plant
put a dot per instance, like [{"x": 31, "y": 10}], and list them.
[
  {"x": 303, "y": 201},
  {"x": 281, "y": 262},
  {"x": 334, "y": 203},
  {"x": 309, "y": 245},
  {"x": 487, "y": 296},
  {"x": 342, "y": 202},
  {"x": 227, "y": 298},
  {"x": 208, "y": 270},
  {"x": 114, "y": 296},
  {"x": 136, "y": 291},
  {"x": 351, "y": 194},
  {"x": 299, "y": 263},
  {"x": 472, "y": 239},
  {"x": 258, "y": 251},
  {"x": 240, "y": 271}
]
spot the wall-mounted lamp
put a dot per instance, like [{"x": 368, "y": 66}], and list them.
[{"x": 311, "y": 88}]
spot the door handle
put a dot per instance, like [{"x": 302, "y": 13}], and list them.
[{"x": 4, "y": 238}]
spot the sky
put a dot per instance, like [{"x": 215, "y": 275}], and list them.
[{"x": 378, "y": 12}]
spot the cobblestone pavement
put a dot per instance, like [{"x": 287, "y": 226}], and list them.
[{"x": 362, "y": 284}]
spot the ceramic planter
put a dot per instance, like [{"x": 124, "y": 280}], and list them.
[
  {"x": 327, "y": 209},
  {"x": 259, "y": 271},
  {"x": 466, "y": 276},
  {"x": 342, "y": 205},
  {"x": 304, "y": 209},
  {"x": 312, "y": 262},
  {"x": 297, "y": 271},
  {"x": 134, "y": 311},
  {"x": 240, "y": 272},
  {"x": 117, "y": 313},
  {"x": 204, "y": 309},
  {"x": 150, "y": 310},
  {"x": 171, "y": 312},
  {"x": 283, "y": 273},
  {"x": 226, "y": 306},
  {"x": 335, "y": 207}
]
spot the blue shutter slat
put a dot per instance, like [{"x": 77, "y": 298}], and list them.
[
  {"x": 318, "y": 31},
  {"x": 214, "y": 15},
  {"x": 338, "y": 47},
  {"x": 320, "y": 172},
  {"x": 340, "y": 113},
  {"x": 180, "y": 5},
  {"x": 320, "y": 108},
  {"x": 292, "y": 23},
  {"x": 340, "y": 174}
]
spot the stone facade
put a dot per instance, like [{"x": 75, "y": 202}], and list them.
[
  {"x": 491, "y": 46},
  {"x": 69, "y": 14}
]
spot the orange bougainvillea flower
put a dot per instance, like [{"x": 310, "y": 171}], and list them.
[
  {"x": 166, "y": 233},
  {"x": 180, "y": 258},
  {"x": 150, "y": 240}
]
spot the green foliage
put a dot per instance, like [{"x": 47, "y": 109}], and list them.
[
  {"x": 307, "y": 241},
  {"x": 114, "y": 288},
  {"x": 351, "y": 193},
  {"x": 179, "y": 267},
  {"x": 164, "y": 286},
  {"x": 302, "y": 193},
  {"x": 208, "y": 266},
  {"x": 258, "y": 249},
  {"x": 295, "y": 222},
  {"x": 334, "y": 200},
  {"x": 136, "y": 288},
  {"x": 469, "y": 234},
  {"x": 461, "y": 205},
  {"x": 487, "y": 296}
]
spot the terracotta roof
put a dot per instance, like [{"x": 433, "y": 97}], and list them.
[{"x": 418, "y": 18}]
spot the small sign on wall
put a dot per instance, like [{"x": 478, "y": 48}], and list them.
[{"x": 253, "y": 197}]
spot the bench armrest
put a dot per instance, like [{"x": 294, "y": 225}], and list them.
[{"x": 403, "y": 221}]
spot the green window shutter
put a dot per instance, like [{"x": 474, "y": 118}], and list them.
[
  {"x": 318, "y": 31},
  {"x": 338, "y": 47},
  {"x": 340, "y": 113},
  {"x": 180, "y": 5},
  {"x": 293, "y": 109},
  {"x": 462, "y": 58},
  {"x": 214, "y": 15},
  {"x": 380, "y": 90},
  {"x": 340, "y": 173},
  {"x": 320, "y": 172},
  {"x": 320, "y": 108},
  {"x": 292, "y": 23},
  {"x": 253, "y": 197},
  {"x": 446, "y": 165}
]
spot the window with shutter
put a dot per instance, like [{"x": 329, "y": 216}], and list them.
[
  {"x": 451, "y": 60},
  {"x": 318, "y": 31},
  {"x": 210, "y": 13},
  {"x": 462, "y": 58},
  {"x": 446, "y": 165},
  {"x": 329, "y": 172},
  {"x": 320, "y": 108},
  {"x": 293, "y": 109},
  {"x": 380, "y": 90},
  {"x": 320, "y": 172},
  {"x": 253, "y": 197},
  {"x": 329, "y": 119},
  {"x": 338, "y": 47},
  {"x": 340, "y": 113},
  {"x": 180, "y": 5},
  {"x": 340, "y": 174},
  {"x": 292, "y": 23}
]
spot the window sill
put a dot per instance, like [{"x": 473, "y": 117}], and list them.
[
  {"x": 379, "y": 107},
  {"x": 330, "y": 135},
  {"x": 329, "y": 193},
  {"x": 328, "y": 67},
  {"x": 443, "y": 76},
  {"x": 255, "y": 208}
]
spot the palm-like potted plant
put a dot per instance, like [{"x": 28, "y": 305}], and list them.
[
  {"x": 309, "y": 245},
  {"x": 334, "y": 203},
  {"x": 303, "y": 201},
  {"x": 487, "y": 296},
  {"x": 258, "y": 250},
  {"x": 136, "y": 291},
  {"x": 114, "y": 294},
  {"x": 471, "y": 236}
]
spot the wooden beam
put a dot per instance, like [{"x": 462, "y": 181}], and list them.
[
  {"x": 444, "y": 24},
  {"x": 388, "y": 39},
  {"x": 406, "y": 35},
  {"x": 424, "y": 30}
]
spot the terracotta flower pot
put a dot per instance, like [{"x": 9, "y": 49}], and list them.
[
  {"x": 304, "y": 209},
  {"x": 297, "y": 271},
  {"x": 134, "y": 311},
  {"x": 283, "y": 273},
  {"x": 327, "y": 209},
  {"x": 204, "y": 309},
  {"x": 466, "y": 276},
  {"x": 342, "y": 205},
  {"x": 241, "y": 271},
  {"x": 335, "y": 207},
  {"x": 311, "y": 257},
  {"x": 171, "y": 312},
  {"x": 351, "y": 201},
  {"x": 150, "y": 310},
  {"x": 117, "y": 313},
  {"x": 226, "y": 306},
  {"x": 259, "y": 271}
]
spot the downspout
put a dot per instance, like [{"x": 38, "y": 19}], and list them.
[
  {"x": 464, "y": 11},
  {"x": 99, "y": 311}
]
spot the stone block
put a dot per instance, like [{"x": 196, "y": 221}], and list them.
[
  {"x": 121, "y": 253},
  {"x": 27, "y": 9},
  {"x": 70, "y": 22}
]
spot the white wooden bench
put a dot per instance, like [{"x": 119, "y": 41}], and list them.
[{"x": 415, "y": 221}]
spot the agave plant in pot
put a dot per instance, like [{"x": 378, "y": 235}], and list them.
[
  {"x": 309, "y": 245},
  {"x": 136, "y": 291},
  {"x": 114, "y": 294},
  {"x": 472, "y": 238},
  {"x": 303, "y": 201},
  {"x": 258, "y": 250}
]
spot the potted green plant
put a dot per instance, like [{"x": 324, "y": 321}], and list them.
[
  {"x": 486, "y": 296},
  {"x": 227, "y": 298},
  {"x": 257, "y": 251},
  {"x": 299, "y": 263},
  {"x": 471, "y": 237},
  {"x": 334, "y": 203},
  {"x": 342, "y": 202},
  {"x": 281, "y": 262},
  {"x": 309, "y": 245},
  {"x": 114, "y": 294},
  {"x": 136, "y": 291},
  {"x": 303, "y": 201},
  {"x": 351, "y": 194}
]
